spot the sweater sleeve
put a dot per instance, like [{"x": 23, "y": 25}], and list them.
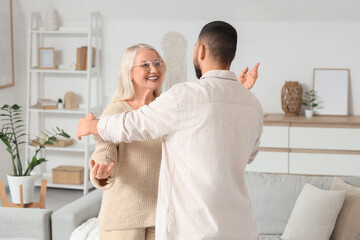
[
  {"x": 158, "y": 119},
  {"x": 106, "y": 151}
]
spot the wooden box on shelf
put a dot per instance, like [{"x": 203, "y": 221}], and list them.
[{"x": 68, "y": 174}]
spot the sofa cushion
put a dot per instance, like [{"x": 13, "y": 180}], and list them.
[
  {"x": 273, "y": 197},
  {"x": 348, "y": 222},
  {"x": 314, "y": 214}
]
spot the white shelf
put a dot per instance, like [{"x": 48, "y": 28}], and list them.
[
  {"x": 59, "y": 185},
  {"x": 64, "y": 111},
  {"x": 64, "y": 31},
  {"x": 76, "y": 147},
  {"x": 36, "y": 70},
  {"x": 89, "y": 89},
  {"x": 70, "y": 31}
]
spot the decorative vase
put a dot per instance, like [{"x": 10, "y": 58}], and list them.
[
  {"x": 28, "y": 183},
  {"x": 51, "y": 21},
  {"x": 291, "y": 96},
  {"x": 309, "y": 113}
]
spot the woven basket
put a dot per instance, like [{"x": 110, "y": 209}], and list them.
[{"x": 291, "y": 97}]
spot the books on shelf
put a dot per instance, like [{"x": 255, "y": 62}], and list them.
[
  {"x": 82, "y": 58},
  {"x": 46, "y": 104}
]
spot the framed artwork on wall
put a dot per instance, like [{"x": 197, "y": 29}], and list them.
[
  {"x": 331, "y": 86},
  {"x": 6, "y": 45},
  {"x": 46, "y": 58}
]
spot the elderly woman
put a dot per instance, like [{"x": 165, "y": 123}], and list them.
[
  {"x": 128, "y": 172},
  {"x": 129, "y": 199}
]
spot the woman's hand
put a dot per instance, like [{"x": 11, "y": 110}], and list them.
[{"x": 101, "y": 170}]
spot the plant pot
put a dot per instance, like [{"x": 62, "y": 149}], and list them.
[
  {"x": 60, "y": 106},
  {"x": 309, "y": 113},
  {"x": 27, "y": 182}
]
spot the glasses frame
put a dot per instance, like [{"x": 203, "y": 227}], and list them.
[{"x": 151, "y": 63}]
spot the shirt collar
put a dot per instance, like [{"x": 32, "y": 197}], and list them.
[{"x": 225, "y": 74}]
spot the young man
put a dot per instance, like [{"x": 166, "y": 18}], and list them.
[{"x": 210, "y": 130}]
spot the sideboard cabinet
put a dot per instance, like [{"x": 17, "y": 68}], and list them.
[{"x": 321, "y": 145}]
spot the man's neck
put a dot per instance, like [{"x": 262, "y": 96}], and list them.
[{"x": 213, "y": 66}]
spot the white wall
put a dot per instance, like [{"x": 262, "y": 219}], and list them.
[
  {"x": 288, "y": 47},
  {"x": 287, "y": 50},
  {"x": 288, "y": 38},
  {"x": 15, "y": 94}
]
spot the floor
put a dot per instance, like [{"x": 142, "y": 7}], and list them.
[{"x": 55, "y": 197}]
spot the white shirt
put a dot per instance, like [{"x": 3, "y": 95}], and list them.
[{"x": 210, "y": 130}]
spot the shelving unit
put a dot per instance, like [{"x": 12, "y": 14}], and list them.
[{"x": 54, "y": 84}]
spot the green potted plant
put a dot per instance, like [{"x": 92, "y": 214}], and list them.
[
  {"x": 60, "y": 104},
  {"x": 309, "y": 101},
  {"x": 12, "y": 134}
]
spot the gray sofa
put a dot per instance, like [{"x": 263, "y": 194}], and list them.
[
  {"x": 273, "y": 198},
  {"x": 66, "y": 219},
  {"x": 25, "y": 224}
]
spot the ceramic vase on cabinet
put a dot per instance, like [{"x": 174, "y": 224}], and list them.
[{"x": 291, "y": 95}]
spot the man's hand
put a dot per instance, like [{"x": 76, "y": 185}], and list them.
[
  {"x": 101, "y": 170},
  {"x": 87, "y": 126},
  {"x": 248, "y": 80}
]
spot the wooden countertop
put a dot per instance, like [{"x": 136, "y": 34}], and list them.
[{"x": 316, "y": 121}]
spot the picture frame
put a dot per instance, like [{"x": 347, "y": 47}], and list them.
[
  {"x": 46, "y": 58},
  {"x": 7, "y": 78},
  {"x": 332, "y": 85}
]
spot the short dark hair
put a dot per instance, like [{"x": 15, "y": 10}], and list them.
[{"x": 221, "y": 38}]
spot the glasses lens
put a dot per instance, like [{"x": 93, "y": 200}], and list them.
[
  {"x": 158, "y": 63},
  {"x": 147, "y": 65}
]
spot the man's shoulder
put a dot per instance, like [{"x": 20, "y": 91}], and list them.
[
  {"x": 182, "y": 89},
  {"x": 184, "y": 85}
]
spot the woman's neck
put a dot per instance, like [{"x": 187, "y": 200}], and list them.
[{"x": 141, "y": 99}]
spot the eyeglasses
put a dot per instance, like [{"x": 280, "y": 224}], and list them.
[{"x": 147, "y": 65}]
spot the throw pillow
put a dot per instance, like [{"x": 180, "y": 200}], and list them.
[
  {"x": 314, "y": 214},
  {"x": 348, "y": 222}
]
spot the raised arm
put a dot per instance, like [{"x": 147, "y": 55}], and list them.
[
  {"x": 248, "y": 80},
  {"x": 155, "y": 120}
]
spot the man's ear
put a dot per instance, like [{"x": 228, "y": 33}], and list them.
[{"x": 202, "y": 52}]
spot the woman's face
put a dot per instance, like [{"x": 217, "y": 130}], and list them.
[{"x": 148, "y": 70}]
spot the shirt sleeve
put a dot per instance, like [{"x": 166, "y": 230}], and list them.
[
  {"x": 255, "y": 151},
  {"x": 257, "y": 143},
  {"x": 155, "y": 120}
]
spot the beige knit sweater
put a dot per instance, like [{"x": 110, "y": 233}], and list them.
[{"x": 129, "y": 198}]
